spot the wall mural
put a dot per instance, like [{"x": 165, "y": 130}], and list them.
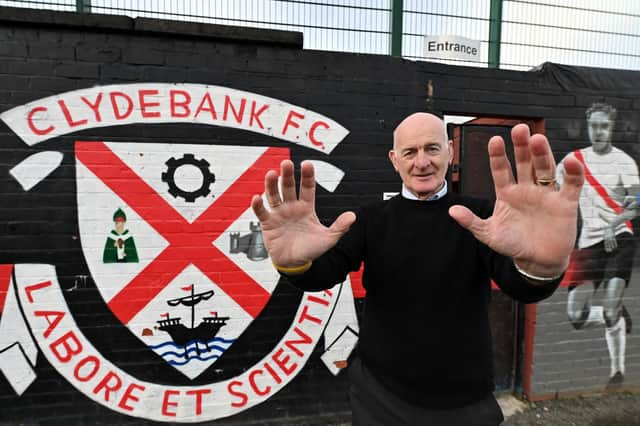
[
  {"x": 173, "y": 248},
  {"x": 603, "y": 260}
]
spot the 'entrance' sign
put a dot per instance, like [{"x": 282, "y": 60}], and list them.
[{"x": 452, "y": 47}]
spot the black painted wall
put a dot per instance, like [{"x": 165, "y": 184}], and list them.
[{"x": 48, "y": 53}]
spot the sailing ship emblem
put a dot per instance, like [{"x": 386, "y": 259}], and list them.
[{"x": 192, "y": 339}]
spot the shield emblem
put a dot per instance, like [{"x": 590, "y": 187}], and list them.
[{"x": 172, "y": 243}]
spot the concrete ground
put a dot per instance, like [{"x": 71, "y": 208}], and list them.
[{"x": 606, "y": 409}]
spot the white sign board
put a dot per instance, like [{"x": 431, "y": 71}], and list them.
[{"x": 451, "y": 47}]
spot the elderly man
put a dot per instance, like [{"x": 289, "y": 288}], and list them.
[
  {"x": 424, "y": 354},
  {"x": 605, "y": 253}
]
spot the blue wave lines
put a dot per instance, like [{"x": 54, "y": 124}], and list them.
[
  {"x": 198, "y": 358},
  {"x": 200, "y": 341},
  {"x": 195, "y": 350}
]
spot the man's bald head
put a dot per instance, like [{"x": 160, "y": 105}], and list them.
[{"x": 419, "y": 122}]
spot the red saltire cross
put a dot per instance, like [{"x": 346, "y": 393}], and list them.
[
  {"x": 5, "y": 280},
  {"x": 189, "y": 243}
]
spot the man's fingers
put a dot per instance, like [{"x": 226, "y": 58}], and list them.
[
  {"x": 287, "y": 181},
  {"x": 307, "y": 182},
  {"x": 573, "y": 179},
  {"x": 543, "y": 162},
  {"x": 271, "y": 189},
  {"x": 500, "y": 166},
  {"x": 524, "y": 166},
  {"x": 258, "y": 208},
  {"x": 468, "y": 220},
  {"x": 343, "y": 223}
]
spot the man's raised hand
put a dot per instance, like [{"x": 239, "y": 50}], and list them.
[
  {"x": 291, "y": 229},
  {"x": 533, "y": 222}
]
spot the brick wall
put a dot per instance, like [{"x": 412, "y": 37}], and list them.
[{"x": 61, "y": 184}]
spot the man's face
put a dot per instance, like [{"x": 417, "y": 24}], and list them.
[
  {"x": 421, "y": 154},
  {"x": 119, "y": 225},
  {"x": 600, "y": 129}
]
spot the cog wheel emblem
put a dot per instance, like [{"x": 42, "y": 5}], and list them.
[{"x": 168, "y": 176}]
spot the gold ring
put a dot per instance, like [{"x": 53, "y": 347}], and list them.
[{"x": 546, "y": 181}]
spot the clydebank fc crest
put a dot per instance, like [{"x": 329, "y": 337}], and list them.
[
  {"x": 172, "y": 248},
  {"x": 177, "y": 248}
]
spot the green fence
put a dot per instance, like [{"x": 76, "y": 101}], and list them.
[{"x": 514, "y": 34}]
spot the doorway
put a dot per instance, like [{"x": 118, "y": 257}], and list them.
[{"x": 470, "y": 175}]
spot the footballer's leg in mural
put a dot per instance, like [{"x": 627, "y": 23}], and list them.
[
  {"x": 584, "y": 307},
  {"x": 582, "y": 313},
  {"x": 615, "y": 333},
  {"x": 608, "y": 272},
  {"x": 617, "y": 319}
]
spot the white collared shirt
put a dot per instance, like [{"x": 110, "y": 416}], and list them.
[{"x": 410, "y": 196}]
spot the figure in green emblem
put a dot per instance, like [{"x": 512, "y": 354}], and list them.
[{"x": 120, "y": 247}]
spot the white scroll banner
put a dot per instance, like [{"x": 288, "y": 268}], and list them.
[
  {"x": 151, "y": 103},
  {"x": 78, "y": 361}
]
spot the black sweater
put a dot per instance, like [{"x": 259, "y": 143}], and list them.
[{"x": 424, "y": 332}]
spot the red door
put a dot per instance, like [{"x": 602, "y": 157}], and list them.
[{"x": 512, "y": 339}]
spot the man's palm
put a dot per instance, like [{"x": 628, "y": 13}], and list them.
[
  {"x": 291, "y": 230},
  {"x": 532, "y": 223}
]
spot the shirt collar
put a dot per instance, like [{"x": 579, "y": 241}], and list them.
[{"x": 410, "y": 196}]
